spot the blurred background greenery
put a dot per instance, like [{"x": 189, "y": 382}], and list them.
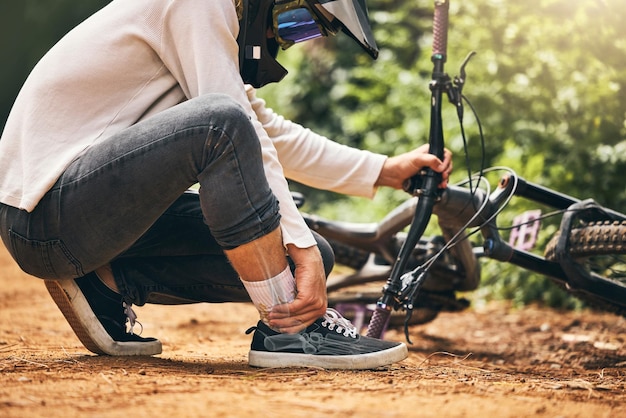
[
  {"x": 28, "y": 28},
  {"x": 548, "y": 83}
]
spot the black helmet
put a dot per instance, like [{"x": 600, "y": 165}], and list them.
[{"x": 293, "y": 21}]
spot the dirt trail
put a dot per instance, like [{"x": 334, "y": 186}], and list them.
[{"x": 490, "y": 361}]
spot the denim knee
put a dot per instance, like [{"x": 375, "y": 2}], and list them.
[
  {"x": 237, "y": 202},
  {"x": 220, "y": 111},
  {"x": 328, "y": 255}
]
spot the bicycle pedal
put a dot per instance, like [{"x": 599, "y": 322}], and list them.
[{"x": 526, "y": 230}]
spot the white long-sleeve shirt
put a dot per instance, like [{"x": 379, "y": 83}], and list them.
[{"x": 134, "y": 59}]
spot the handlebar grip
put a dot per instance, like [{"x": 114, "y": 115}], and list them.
[
  {"x": 440, "y": 27},
  {"x": 378, "y": 323}
]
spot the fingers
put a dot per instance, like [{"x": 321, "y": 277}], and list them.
[
  {"x": 432, "y": 161},
  {"x": 311, "y": 301},
  {"x": 296, "y": 316},
  {"x": 438, "y": 165},
  {"x": 401, "y": 167},
  {"x": 445, "y": 168}
]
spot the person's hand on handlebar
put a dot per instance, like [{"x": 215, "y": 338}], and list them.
[{"x": 401, "y": 167}]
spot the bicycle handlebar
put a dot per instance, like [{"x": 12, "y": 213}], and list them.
[{"x": 425, "y": 184}]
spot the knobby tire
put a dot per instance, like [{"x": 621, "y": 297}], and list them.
[{"x": 600, "y": 247}]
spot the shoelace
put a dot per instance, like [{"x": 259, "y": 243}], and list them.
[
  {"x": 131, "y": 318},
  {"x": 333, "y": 319}
]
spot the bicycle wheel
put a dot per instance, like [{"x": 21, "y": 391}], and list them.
[
  {"x": 599, "y": 249},
  {"x": 348, "y": 255}
]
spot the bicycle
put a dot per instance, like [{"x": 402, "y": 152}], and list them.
[{"x": 423, "y": 274}]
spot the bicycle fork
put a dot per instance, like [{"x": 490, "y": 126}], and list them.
[{"x": 426, "y": 184}]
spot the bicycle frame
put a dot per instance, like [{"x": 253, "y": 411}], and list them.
[
  {"x": 459, "y": 209},
  {"x": 494, "y": 246}
]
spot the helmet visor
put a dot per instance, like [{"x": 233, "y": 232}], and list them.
[
  {"x": 297, "y": 25},
  {"x": 300, "y": 20}
]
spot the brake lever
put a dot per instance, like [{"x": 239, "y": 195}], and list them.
[
  {"x": 459, "y": 81},
  {"x": 455, "y": 92}
]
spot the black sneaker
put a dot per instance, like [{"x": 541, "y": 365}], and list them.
[
  {"x": 98, "y": 317},
  {"x": 331, "y": 342}
]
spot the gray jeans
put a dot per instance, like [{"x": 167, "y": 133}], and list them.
[{"x": 125, "y": 201}]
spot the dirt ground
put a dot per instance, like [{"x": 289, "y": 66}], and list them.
[{"x": 491, "y": 361}]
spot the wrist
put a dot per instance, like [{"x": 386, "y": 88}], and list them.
[{"x": 381, "y": 175}]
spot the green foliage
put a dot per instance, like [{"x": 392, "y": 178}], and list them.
[{"x": 28, "y": 28}]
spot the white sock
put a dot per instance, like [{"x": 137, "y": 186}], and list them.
[{"x": 274, "y": 291}]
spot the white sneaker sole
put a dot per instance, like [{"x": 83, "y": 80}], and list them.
[
  {"x": 346, "y": 362},
  {"x": 76, "y": 310}
]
